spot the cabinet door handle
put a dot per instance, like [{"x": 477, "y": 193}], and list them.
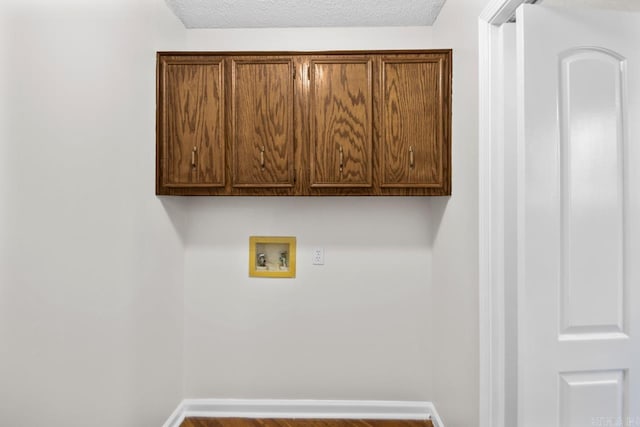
[
  {"x": 411, "y": 159},
  {"x": 262, "y": 157},
  {"x": 341, "y": 159},
  {"x": 193, "y": 157}
]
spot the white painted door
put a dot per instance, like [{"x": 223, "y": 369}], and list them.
[{"x": 579, "y": 218}]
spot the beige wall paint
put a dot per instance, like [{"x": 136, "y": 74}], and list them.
[
  {"x": 90, "y": 261},
  {"x": 93, "y": 265},
  {"x": 293, "y": 354},
  {"x": 358, "y": 327},
  {"x": 455, "y": 249}
]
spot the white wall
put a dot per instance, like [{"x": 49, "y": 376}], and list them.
[
  {"x": 508, "y": 40},
  {"x": 455, "y": 249},
  {"x": 343, "y": 331},
  {"x": 358, "y": 327},
  {"x": 91, "y": 264},
  {"x": 309, "y": 39}
]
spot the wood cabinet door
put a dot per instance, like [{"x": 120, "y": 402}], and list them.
[
  {"x": 191, "y": 151},
  {"x": 414, "y": 122},
  {"x": 262, "y": 122},
  {"x": 340, "y": 116}
]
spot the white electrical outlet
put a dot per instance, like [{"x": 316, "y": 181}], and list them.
[{"x": 317, "y": 256}]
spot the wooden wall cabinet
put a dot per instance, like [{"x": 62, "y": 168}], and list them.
[
  {"x": 300, "y": 124},
  {"x": 262, "y": 125},
  {"x": 191, "y": 122},
  {"x": 340, "y": 122}
]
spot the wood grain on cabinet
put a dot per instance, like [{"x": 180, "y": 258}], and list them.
[
  {"x": 263, "y": 122},
  {"x": 351, "y": 123},
  {"x": 191, "y": 123},
  {"x": 340, "y": 119},
  {"x": 414, "y": 122}
]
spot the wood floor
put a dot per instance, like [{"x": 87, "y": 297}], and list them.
[{"x": 271, "y": 422}]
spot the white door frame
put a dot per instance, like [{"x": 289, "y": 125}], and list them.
[
  {"x": 492, "y": 202},
  {"x": 491, "y": 213}
]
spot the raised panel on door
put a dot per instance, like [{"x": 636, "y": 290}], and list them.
[
  {"x": 340, "y": 107},
  {"x": 191, "y": 135},
  {"x": 413, "y": 122},
  {"x": 593, "y": 286},
  {"x": 579, "y": 205},
  {"x": 592, "y": 398},
  {"x": 263, "y": 122}
]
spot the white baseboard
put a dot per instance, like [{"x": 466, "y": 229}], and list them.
[{"x": 345, "y": 409}]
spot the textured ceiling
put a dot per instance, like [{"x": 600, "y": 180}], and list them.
[{"x": 305, "y": 13}]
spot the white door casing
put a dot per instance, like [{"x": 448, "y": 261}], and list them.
[
  {"x": 578, "y": 217},
  {"x": 496, "y": 208}
]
